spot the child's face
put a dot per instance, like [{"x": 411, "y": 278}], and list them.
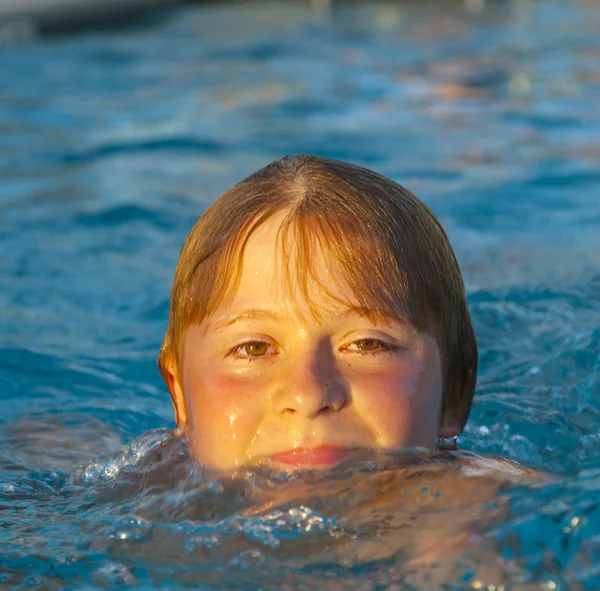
[{"x": 263, "y": 378}]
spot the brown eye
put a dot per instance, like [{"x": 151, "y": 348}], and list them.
[
  {"x": 255, "y": 349},
  {"x": 372, "y": 346},
  {"x": 368, "y": 344}
]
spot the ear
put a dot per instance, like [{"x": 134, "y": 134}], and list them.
[
  {"x": 170, "y": 375},
  {"x": 449, "y": 427}
]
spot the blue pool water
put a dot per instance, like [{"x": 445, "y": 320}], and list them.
[{"x": 112, "y": 144}]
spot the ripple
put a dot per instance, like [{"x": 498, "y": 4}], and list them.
[
  {"x": 124, "y": 214},
  {"x": 169, "y": 145}
]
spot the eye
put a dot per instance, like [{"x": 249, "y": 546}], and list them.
[
  {"x": 251, "y": 350},
  {"x": 255, "y": 348},
  {"x": 370, "y": 346}
]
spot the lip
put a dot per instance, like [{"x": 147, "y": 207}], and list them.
[{"x": 323, "y": 455}]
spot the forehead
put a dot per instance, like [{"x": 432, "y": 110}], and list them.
[{"x": 277, "y": 263}]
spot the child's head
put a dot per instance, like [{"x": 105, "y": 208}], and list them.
[{"x": 317, "y": 308}]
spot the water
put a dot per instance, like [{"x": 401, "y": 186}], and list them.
[{"x": 112, "y": 144}]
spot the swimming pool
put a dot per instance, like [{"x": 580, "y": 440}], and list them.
[{"x": 112, "y": 144}]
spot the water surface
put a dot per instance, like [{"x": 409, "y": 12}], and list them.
[{"x": 112, "y": 144}]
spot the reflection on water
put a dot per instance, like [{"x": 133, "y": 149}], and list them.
[{"x": 112, "y": 144}]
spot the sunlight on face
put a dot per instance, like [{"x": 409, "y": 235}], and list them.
[{"x": 262, "y": 378}]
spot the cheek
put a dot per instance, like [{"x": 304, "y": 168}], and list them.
[
  {"x": 224, "y": 414},
  {"x": 400, "y": 403}
]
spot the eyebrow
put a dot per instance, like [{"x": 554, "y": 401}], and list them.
[
  {"x": 374, "y": 316},
  {"x": 259, "y": 314},
  {"x": 226, "y": 321},
  {"x": 360, "y": 311}
]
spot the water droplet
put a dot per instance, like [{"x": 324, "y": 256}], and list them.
[
  {"x": 114, "y": 574},
  {"x": 314, "y": 522},
  {"x": 261, "y": 532},
  {"x": 248, "y": 559},
  {"x": 130, "y": 528},
  {"x": 296, "y": 514},
  {"x": 201, "y": 543}
]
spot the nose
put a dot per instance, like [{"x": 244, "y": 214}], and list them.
[{"x": 312, "y": 384}]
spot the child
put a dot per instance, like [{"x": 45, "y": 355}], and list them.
[{"x": 317, "y": 310}]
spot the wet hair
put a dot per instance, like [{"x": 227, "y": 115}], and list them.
[{"x": 387, "y": 248}]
